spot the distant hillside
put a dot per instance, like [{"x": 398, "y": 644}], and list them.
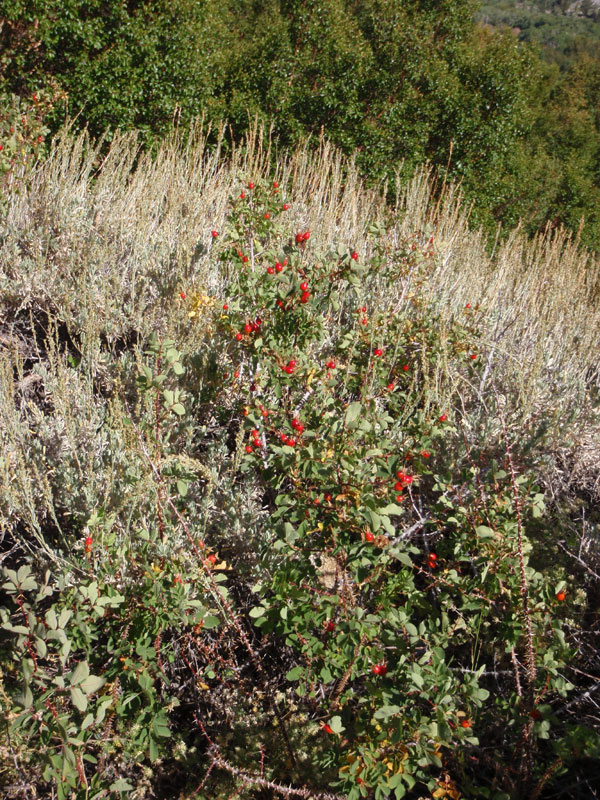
[{"x": 562, "y": 28}]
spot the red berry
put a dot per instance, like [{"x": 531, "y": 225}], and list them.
[
  {"x": 286, "y": 206},
  {"x": 291, "y": 442},
  {"x": 329, "y": 626},
  {"x": 88, "y": 541},
  {"x": 425, "y": 453},
  {"x": 299, "y": 238},
  {"x": 398, "y": 486},
  {"x": 378, "y": 352},
  {"x": 271, "y": 270},
  {"x": 432, "y": 557},
  {"x": 369, "y": 536},
  {"x": 304, "y": 286},
  {"x": 177, "y": 579},
  {"x": 407, "y": 479},
  {"x": 254, "y": 433},
  {"x": 299, "y": 429},
  {"x": 278, "y": 266},
  {"x": 399, "y": 498},
  {"x": 267, "y": 215},
  {"x": 560, "y": 596},
  {"x": 242, "y": 196},
  {"x": 364, "y": 309},
  {"x": 182, "y": 295},
  {"x": 264, "y": 412},
  {"x": 354, "y": 255},
  {"x": 465, "y": 723},
  {"x": 275, "y": 185},
  {"x": 239, "y": 337},
  {"x": 248, "y": 327},
  {"x": 249, "y": 448},
  {"x": 236, "y": 374},
  {"x": 327, "y": 728},
  {"x": 363, "y": 321},
  {"x": 245, "y": 259},
  {"x": 280, "y": 303},
  {"x": 390, "y": 387},
  {"x": 256, "y": 443},
  {"x": 225, "y": 306},
  {"x": 330, "y": 365},
  {"x": 443, "y": 418},
  {"x": 251, "y": 186},
  {"x": 473, "y": 356},
  {"x": 214, "y": 234},
  {"x": 212, "y": 558},
  {"x": 291, "y": 364},
  {"x": 305, "y": 297},
  {"x": 328, "y": 498},
  {"x": 288, "y": 369},
  {"x": 306, "y": 236},
  {"x": 406, "y": 368},
  {"x": 468, "y": 305},
  {"x": 376, "y": 669}
]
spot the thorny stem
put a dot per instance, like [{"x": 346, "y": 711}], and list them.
[
  {"x": 530, "y": 671},
  {"x": 256, "y": 780}
]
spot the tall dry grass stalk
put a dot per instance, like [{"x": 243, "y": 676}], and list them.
[{"x": 102, "y": 242}]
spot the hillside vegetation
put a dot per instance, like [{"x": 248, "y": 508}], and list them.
[
  {"x": 392, "y": 83},
  {"x": 299, "y": 487}
]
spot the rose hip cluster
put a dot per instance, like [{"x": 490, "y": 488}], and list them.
[{"x": 249, "y": 327}]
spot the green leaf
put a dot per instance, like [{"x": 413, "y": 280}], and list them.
[
  {"x": 295, "y": 674},
  {"x": 28, "y": 698},
  {"x": 211, "y": 621},
  {"x": 81, "y": 671},
  {"x": 385, "y": 712},
  {"x": 257, "y": 611},
  {"x": 335, "y": 723},
  {"x": 392, "y": 508},
  {"x": 375, "y": 521},
  {"x": 121, "y": 785},
  {"x": 92, "y": 684},
  {"x": 402, "y": 556},
  {"x": 182, "y": 488},
  {"x": 483, "y": 532},
  {"x": 79, "y": 699},
  {"x": 178, "y": 409},
  {"x": 51, "y": 620},
  {"x": 88, "y": 720},
  {"x": 353, "y": 412}
]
